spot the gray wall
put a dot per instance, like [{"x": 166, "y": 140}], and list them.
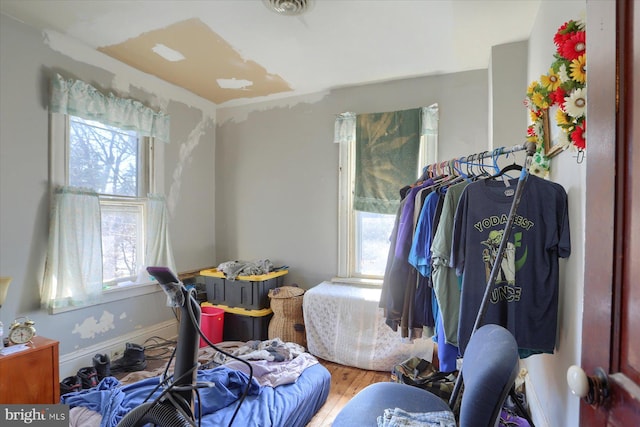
[
  {"x": 277, "y": 165},
  {"x": 508, "y": 75},
  {"x": 548, "y": 372},
  {"x": 27, "y": 60}
]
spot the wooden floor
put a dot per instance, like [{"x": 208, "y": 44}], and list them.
[{"x": 346, "y": 382}]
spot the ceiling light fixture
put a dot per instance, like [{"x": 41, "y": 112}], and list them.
[{"x": 288, "y": 7}]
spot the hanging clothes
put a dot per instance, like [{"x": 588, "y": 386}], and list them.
[
  {"x": 445, "y": 241},
  {"x": 446, "y": 284},
  {"x": 420, "y": 260},
  {"x": 525, "y": 296},
  {"x": 397, "y": 296}
]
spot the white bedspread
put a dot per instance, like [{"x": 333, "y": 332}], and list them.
[{"x": 345, "y": 325}]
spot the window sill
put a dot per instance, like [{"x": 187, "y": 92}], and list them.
[
  {"x": 359, "y": 281},
  {"x": 116, "y": 294}
]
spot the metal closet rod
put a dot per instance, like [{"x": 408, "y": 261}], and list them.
[{"x": 495, "y": 153}]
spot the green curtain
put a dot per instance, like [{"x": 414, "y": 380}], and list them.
[{"x": 387, "y": 150}]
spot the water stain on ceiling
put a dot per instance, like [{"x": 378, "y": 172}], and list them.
[{"x": 190, "y": 55}]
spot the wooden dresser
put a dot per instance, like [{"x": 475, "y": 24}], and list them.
[{"x": 32, "y": 375}]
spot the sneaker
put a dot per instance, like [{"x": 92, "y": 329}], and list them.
[
  {"x": 132, "y": 360},
  {"x": 70, "y": 384},
  {"x": 509, "y": 419},
  {"x": 88, "y": 377},
  {"x": 103, "y": 366}
]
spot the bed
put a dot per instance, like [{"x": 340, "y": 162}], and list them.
[{"x": 285, "y": 391}]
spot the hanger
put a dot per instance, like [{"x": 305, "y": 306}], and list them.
[
  {"x": 512, "y": 167},
  {"x": 468, "y": 162},
  {"x": 481, "y": 165}
]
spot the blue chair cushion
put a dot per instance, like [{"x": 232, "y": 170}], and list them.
[
  {"x": 371, "y": 401},
  {"x": 489, "y": 369}
]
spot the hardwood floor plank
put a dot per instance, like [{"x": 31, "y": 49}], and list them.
[{"x": 346, "y": 382}]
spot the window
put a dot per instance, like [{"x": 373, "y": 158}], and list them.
[
  {"x": 114, "y": 163},
  {"x": 364, "y": 232},
  {"x": 102, "y": 177},
  {"x": 371, "y": 243}
]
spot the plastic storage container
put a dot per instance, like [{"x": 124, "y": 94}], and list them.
[
  {"x": 244, "y": 325},
  {"x": 212, "y": 324},
  {"x": 250, "y": 292}
]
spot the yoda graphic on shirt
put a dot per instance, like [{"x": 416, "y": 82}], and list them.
[{"x": 507, "y": 272}]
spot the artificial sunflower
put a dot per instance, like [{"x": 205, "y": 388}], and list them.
[
  {"x": 551, "y": 81},
  {"x": 579, "y": 69},
  {"x": 532, "y": 88},
  {"x": 540, "y": 100},
  {"x": 561, "y": 118}
]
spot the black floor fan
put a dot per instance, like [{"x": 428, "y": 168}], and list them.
[{"x": 173, "y": 408}]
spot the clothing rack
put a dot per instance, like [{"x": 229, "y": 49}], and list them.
[{"x": 439, "y": 168}]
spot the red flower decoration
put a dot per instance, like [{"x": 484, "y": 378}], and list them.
[
  {"x": 579, "y": 136},
  {"x": 561, "y": 35},
  {"x": 574, "y": 46},
  {"x": 557, "y": 96}
]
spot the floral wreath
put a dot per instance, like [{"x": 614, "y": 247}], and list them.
[{"x": 565, "y": 85}]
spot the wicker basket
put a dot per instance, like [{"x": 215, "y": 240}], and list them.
[{"x": 287, "y": 322}]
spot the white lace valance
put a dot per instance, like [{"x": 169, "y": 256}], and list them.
[{"x": 78, "y": 98}]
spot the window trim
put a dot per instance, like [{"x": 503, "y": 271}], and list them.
[
  {"x": 58, "y": 175},
  {"x": 428, "y": 154}
]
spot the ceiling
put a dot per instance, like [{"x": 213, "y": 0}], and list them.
[{"x": 234, "y": 52}]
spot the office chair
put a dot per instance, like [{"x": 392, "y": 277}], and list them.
[{"x": 489, "y": 369}]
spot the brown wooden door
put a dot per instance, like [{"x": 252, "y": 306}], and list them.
[{"x": 611, "y": 322}]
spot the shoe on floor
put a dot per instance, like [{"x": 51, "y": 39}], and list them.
[
  {"x": 103, "y": 366},
  {"x": 70, "y": 384},
  {"x": 88, "y": 377},
  {"x": 132, "y": 360}
]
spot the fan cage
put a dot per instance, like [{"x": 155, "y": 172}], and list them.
[{"x": 288, "y": 7}]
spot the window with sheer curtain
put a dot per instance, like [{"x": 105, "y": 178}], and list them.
[
  {"x": 379, "y": 154},
  {"x": 106, "y": 223}
]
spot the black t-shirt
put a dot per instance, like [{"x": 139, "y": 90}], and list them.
[{"x": 524, "y": 298}]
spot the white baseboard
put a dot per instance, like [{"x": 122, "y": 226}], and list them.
[
  {"x": 71, "y": 362},
  {"x": 535, "y": 408}
]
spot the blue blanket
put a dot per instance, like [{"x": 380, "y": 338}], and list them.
[
  {"x": 114, "y": 402},
  {"x": 291, "y": 405}
]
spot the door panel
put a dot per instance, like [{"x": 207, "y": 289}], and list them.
[
  {"x": 611, "y": 322},
  {"x": 631, "y": 292}
]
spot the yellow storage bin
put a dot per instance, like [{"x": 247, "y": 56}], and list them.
[
  {"x": 214, "y": 272},
  {"x": 250, "y": 292},
  {"x": 241, "y": 324}
]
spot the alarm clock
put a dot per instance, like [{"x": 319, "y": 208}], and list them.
[{"x": 21, "y": 332}]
